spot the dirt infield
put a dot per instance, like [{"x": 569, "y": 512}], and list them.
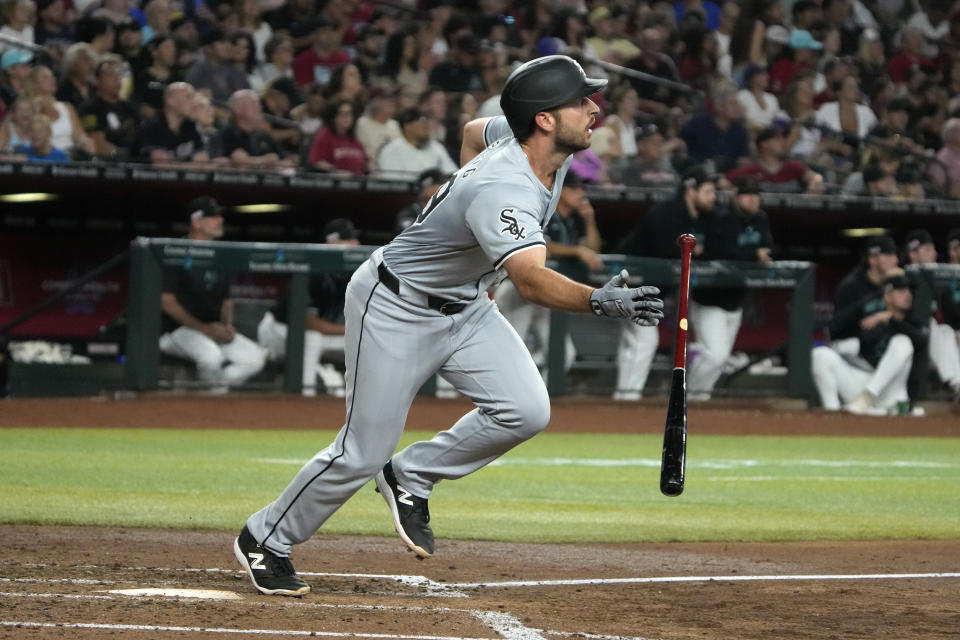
[{"x": 81, "y": 582}]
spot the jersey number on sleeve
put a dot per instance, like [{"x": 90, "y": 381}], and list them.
[{"x": 436, "y": 199}]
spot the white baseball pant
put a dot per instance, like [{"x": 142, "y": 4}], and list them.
[
  {"x": 716, "y": 330},
  {"x": 839, "y": 382},
  {"x": 219, "y": 364},
  {"x": 272, "y": 336},
  {"x": 526, "y": 316},
  {"x": 635, "y": 354},
  {"x": 945, "y": 353}
]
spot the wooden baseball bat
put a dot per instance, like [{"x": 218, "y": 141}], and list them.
[{"x": 673, "y": 463}]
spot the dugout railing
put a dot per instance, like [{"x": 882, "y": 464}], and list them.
[{"x": 150, "y": 256}]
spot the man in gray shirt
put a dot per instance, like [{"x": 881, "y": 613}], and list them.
[{"x": 420, "y": 305}]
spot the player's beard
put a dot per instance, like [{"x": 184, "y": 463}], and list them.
[{"x": 569, "y": 140}]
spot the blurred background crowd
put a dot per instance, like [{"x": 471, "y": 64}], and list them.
[{"x": 857, "y": 97}]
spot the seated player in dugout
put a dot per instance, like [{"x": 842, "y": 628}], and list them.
[
  {"x": 198, "y": 312},
  {"x": 324, "y": 321}
]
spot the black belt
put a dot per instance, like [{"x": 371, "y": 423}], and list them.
[{"x": 446, "y": 307}]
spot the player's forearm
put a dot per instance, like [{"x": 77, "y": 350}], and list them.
[{"x": 553, "y": 290}]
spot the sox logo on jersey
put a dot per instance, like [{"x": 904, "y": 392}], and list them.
[{"x": 513, "y": 227}]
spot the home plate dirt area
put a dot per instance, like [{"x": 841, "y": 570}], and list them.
[{"x": 92, "y": 582}]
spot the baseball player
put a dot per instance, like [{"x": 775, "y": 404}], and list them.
[
  {"x": 943, "y": 348},
  {"x": 197, "y": 313},
  {"x": 743, "y": 233},
  {"x": 419, "y": 305},
  {"x": 571, "y": 233},
  {"x": 656, "y": 237},
  {"x": 324, "y": 319},
  {"x": 876, "y": 382}
]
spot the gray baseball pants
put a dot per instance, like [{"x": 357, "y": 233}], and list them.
[{"x": 393, "y": 344}]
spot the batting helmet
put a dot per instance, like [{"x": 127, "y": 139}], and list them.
[{"x": 540, "y": 85}]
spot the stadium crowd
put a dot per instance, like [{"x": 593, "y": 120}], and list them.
[{"x": 859, "y": 97}]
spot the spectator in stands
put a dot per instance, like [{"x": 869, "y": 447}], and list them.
[
  {"x": 931, "y": 20},
  {"x": 376, "y": 127},
  {"x": 834, "y": 72},
  {"x": 805, "y": 140},
  {"x": 325, "y": 323},
  {"x": 568, "y": 36},
  {"x": 110, "y": 121},
  {"x": 171, "y": 136},
  {"x": 68, "y": 133},
  {"x": 909, "y": 182},
  {"x": 609, "y": 45},
  {"x": 198, "y": 312},
  {"x": 910, "y": 55},
  {"x": 15, "y": 64},
  {"x": 159, "y": 14},
  {"x": 944, "y": 351},
  {"x": 654, "y": 97},
  {"x": 759, "y": 105},
  {"x": 16, "y": 127},
  {"x": 324, "y": 55},
  {"x": 99, "y": 32},
  {"x": 276, "y": 100},
  {"x": 244, "y": 56},
  {"x": 805, "y": 50},
  {"x": 742, "y": 233},
  {"x": 720, "y": 136},
  {"x": 860, "y": 295},
  {"x": 460, "y": 72},
  {"x": 432, "y": 103},
  {"x": 945, "y": 172},
  {"x": 40, "y": 147},
  {"x": 871, "y": 61},
  {"x": 748, "y": 39},
  {"x": 309, "y": 114},
  {"x": 414, "y": 151},
  {"x": 279, "y": 62},
  {"x": 698, "y": 63},
  {"x": 335, "y": 148},
  {"x": 651, "y": 167},
  {"x": 894, "y": 126},
  {"x": 215, "y": 73},
  {"x": 463, "y": 109},
  {"x": 245, "y": 140},
  {"x": 369, "y": 47},
  {"x": 571, "y": 233},
  {"x": 656, "y": 237},
  {"x": 623, "y": 120},
  {"x": 18, "y": 20},
  {"x": 401, "y": 62},
  {"x": 298, "y": 17},
  {"x": 428, "y": 183},
  {"x": 54, "y": 27},
  {"x": 130, "y": 45},
  {"x": 250, "y": 21},
  {"x": 150, "y": 83},
  {"x": 187, "y": 38},
  {"x": 876, "y": 181},
  {"x": 707, "y": 11},
  {"x": 204, "y": 118},
  {"x": 346, "y": 83},
  {"x": 774, "y": 170},
  {"x": 729, "y": 15},
  {"x": 877, "y": 383},
  {"x": 848, "y": 117}
]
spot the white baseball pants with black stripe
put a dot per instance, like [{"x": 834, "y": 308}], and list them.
[
  {"x": 272, "y": 336},
  {"x": 392, "y": 346}
]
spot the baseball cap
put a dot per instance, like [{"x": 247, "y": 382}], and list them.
[
  {"x": 14, "y": 57},
  {"x": 204, "y": 207},
  {"x": 778, "y": 33},
  {"x": 408, "y": 115},
  {"x": 880, "y": 244},
  {"x": 803, "y": 39},
  {"x": 953, "y": 238},
  {"x": 339, "y": 229},
  {"x": 896, "y": 281},
  {"x": 695, "y": 177},
  {"x": 748, "y": 185},
  {"x": 916, "y": 238}
]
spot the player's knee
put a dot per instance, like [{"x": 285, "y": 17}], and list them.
[
  {"x": 533, "y": 413},
  {"x": 822, "y": 358},
  {"x": 901, "y": 346}
]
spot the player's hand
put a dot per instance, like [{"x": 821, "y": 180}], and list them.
[
  {"x": 874, "y": 319},
  {"x": 219, "y": 332},
  {"x": 585, "y": 209},
  {"x": 615, "y": 300},
  {"x": 589, "y": 257}
]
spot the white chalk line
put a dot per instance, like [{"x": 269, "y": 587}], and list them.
[
  {"x": 677, "y": 579},
  {"x": 508, "y": 626}
]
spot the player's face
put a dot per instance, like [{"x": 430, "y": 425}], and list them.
[
  {"x": 899, "y": 299},
  {"x": 887, "y": 262},
  {"x": 705, "y": 197},
  {"x": 748, "y": 202},
  {"x": 574, "y": 122},
  {"x": 924, "y": 254}
]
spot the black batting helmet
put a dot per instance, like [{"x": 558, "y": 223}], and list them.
[{"x": 540, "y": 85}]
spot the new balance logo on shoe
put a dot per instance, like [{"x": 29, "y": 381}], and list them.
[
  {"x": 411, "y": 518},
  {"x": 274, "y": 574}
]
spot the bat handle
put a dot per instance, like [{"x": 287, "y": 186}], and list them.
[{"x": 687, "y": 242}]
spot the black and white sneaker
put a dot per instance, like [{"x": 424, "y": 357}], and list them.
[
  {"x": 411, "y": 518},
  {"x": 270, "y": 573}
]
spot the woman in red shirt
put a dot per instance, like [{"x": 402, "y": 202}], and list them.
[{"x": 336, "y": 148}]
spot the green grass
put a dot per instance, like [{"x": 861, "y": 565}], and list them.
[{"x": 557, "y": 487}]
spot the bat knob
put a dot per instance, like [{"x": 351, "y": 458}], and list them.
[{"x": 687, "y": 240}]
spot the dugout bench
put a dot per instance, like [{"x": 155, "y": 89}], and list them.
[{"x": 150, "y": 256}]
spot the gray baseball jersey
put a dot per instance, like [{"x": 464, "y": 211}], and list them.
[
  {"x": 396, "y": 339},
  {"x": 489, "y": 210}
]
